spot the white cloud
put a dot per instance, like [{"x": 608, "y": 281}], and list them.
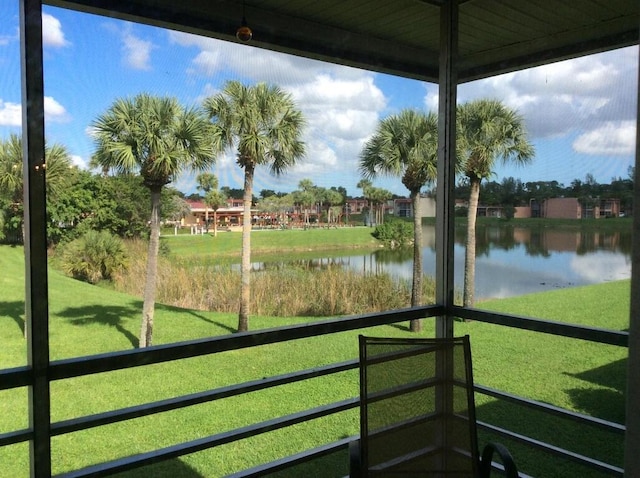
[
  {"x": 341, "y": 113},
  {"x": 207, "y": 62},
  {"x": 255, "y": 63},
  {"x": 609, "y": 139},
  {"x": 10, "y": 114},
  {"x": 575, "y": 95},
  {"x": 79, "y": 161},
  {"x": 52, "y": 34},
  {"x": 54, "y": 111},
  {"x": 7, "y": 39},
  {"x": 340, "y": 109},
  {"x": 432, "y": 98},
  {"x": 136, "y": 50},
  {"x": 601, "y": 266}
]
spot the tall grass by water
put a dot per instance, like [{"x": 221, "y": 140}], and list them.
[{"x": 290, "y": 291}]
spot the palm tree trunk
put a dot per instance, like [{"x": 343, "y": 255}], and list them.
[
  {"x": 245, "y": 270},
  {"x": 148, "y": 307},
  {"x": 470, "y": 250},
  {"x": 415, "y": 325},
  {"x": 215, "y": 223}
]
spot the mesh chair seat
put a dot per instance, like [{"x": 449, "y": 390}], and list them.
[{"x": 417, "y": 411}]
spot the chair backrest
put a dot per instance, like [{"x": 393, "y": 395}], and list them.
[{"x": 417, "y": 408}]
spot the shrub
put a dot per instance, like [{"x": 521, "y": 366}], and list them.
[
  {"x": 95, "y": 256},
  {"x": 509, "y": 211},
  {"x": 461, "y": 211},
  {"x": 394, "y": 233}
]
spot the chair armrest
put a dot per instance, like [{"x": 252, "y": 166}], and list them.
[
  {"x": 510, "y": 468},
  {"x": 355, "y": 465}
]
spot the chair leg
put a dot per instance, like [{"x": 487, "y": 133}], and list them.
[
  {"x": 510, "y": 468},
  {"x": 355, "y": 464}
]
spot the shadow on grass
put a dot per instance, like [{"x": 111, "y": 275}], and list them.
[
  {"x": 214, "y": 322},
  {"x": 402, "y": 327},
  {"x": 578, "y": 438},
  {"x": 612, "y": 375},
  {"x": 607, "y": 403},
  {"x": 328, "y": 466},
  {"x": 111, "y": 316},
  {"x": 15, "y": 310},
  {"x": 167, "y": 469}
]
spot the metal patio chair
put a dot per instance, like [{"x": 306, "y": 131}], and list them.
[{"x": 417, "y": 412}]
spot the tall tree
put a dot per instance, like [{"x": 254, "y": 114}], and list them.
[
  {"x": 158, "y": 138},
  {"x": 406, "y": 145},
  {"x": 57, "y": 160},
  {"x": 488, "y": 131},
  {"x": 379, "y": 198},
  {"x": 306, "y": 197},
  {"x": 207, "y": 182},
  {"x": 215, "y": 199},
  {"x": 264, "y": 126},
  {"x": 366, "y": 187},
  {"x": 332, "y": 198},
  {"x": 58, "y": 166}
]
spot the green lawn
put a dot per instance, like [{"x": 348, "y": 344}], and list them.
[
  {"x": 270, "y": 241},
  {"x": 584, "y": 377}
]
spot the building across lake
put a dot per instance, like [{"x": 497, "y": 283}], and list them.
[{"x": 230, "y": 216}]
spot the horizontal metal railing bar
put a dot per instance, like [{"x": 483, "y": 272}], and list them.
[
  {"x": 92, "y": 364},
  {"x": 294, "y": 460},
  {"x": 592, "y": 334},
  {"x": 405, "y": 352},
  {"x": 61, "y": 369},
  {"x": 16, "y": 436},
  {"x": 552, "y": 410},
  {"x": 403, "y": 389},
  {"x": 555, "y": 450},
  {"x": 15, "y": 377},
  {"x": 175, "y": 451},
  {"x": 90, "y": 421}
]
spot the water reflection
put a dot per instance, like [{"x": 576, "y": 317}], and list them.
[
  {"x": 544, "y": 241},
  {"x": 510, "y": 260}
]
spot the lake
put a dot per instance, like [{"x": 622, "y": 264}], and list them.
[{"x": 510, "y": 260}]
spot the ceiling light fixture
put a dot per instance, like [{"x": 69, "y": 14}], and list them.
[{"x": 244, "y": 33}]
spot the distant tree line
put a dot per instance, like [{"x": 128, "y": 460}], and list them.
[
  {"x": 512, "y": 192},
  {"x": 80, "y": 200}
]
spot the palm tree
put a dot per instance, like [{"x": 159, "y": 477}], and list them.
[
  {"x": 332, "y": 198},
  {"x": 158, "y": 138},
  {"x": 58, "y": 164},
  {"x": 487, "y": 131},
  {"x": 306, "y": 197},
  {"x": 262, "y": 123},
  {"x": 57, "y": 159},
  {"x": 366, "y": 187},
  {"x": 379, "y": 197},
  {"x": 11, "y": 181},
  {"x": 207, "y": 182},
  {"x": 406, "y": 145},
  {"x": 215, "y": 199}
]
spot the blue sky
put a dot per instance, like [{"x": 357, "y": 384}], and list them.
[{"x": 580, "y": 114}]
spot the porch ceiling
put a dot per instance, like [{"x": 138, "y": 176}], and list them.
[{"x": 400, "y": 37}]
